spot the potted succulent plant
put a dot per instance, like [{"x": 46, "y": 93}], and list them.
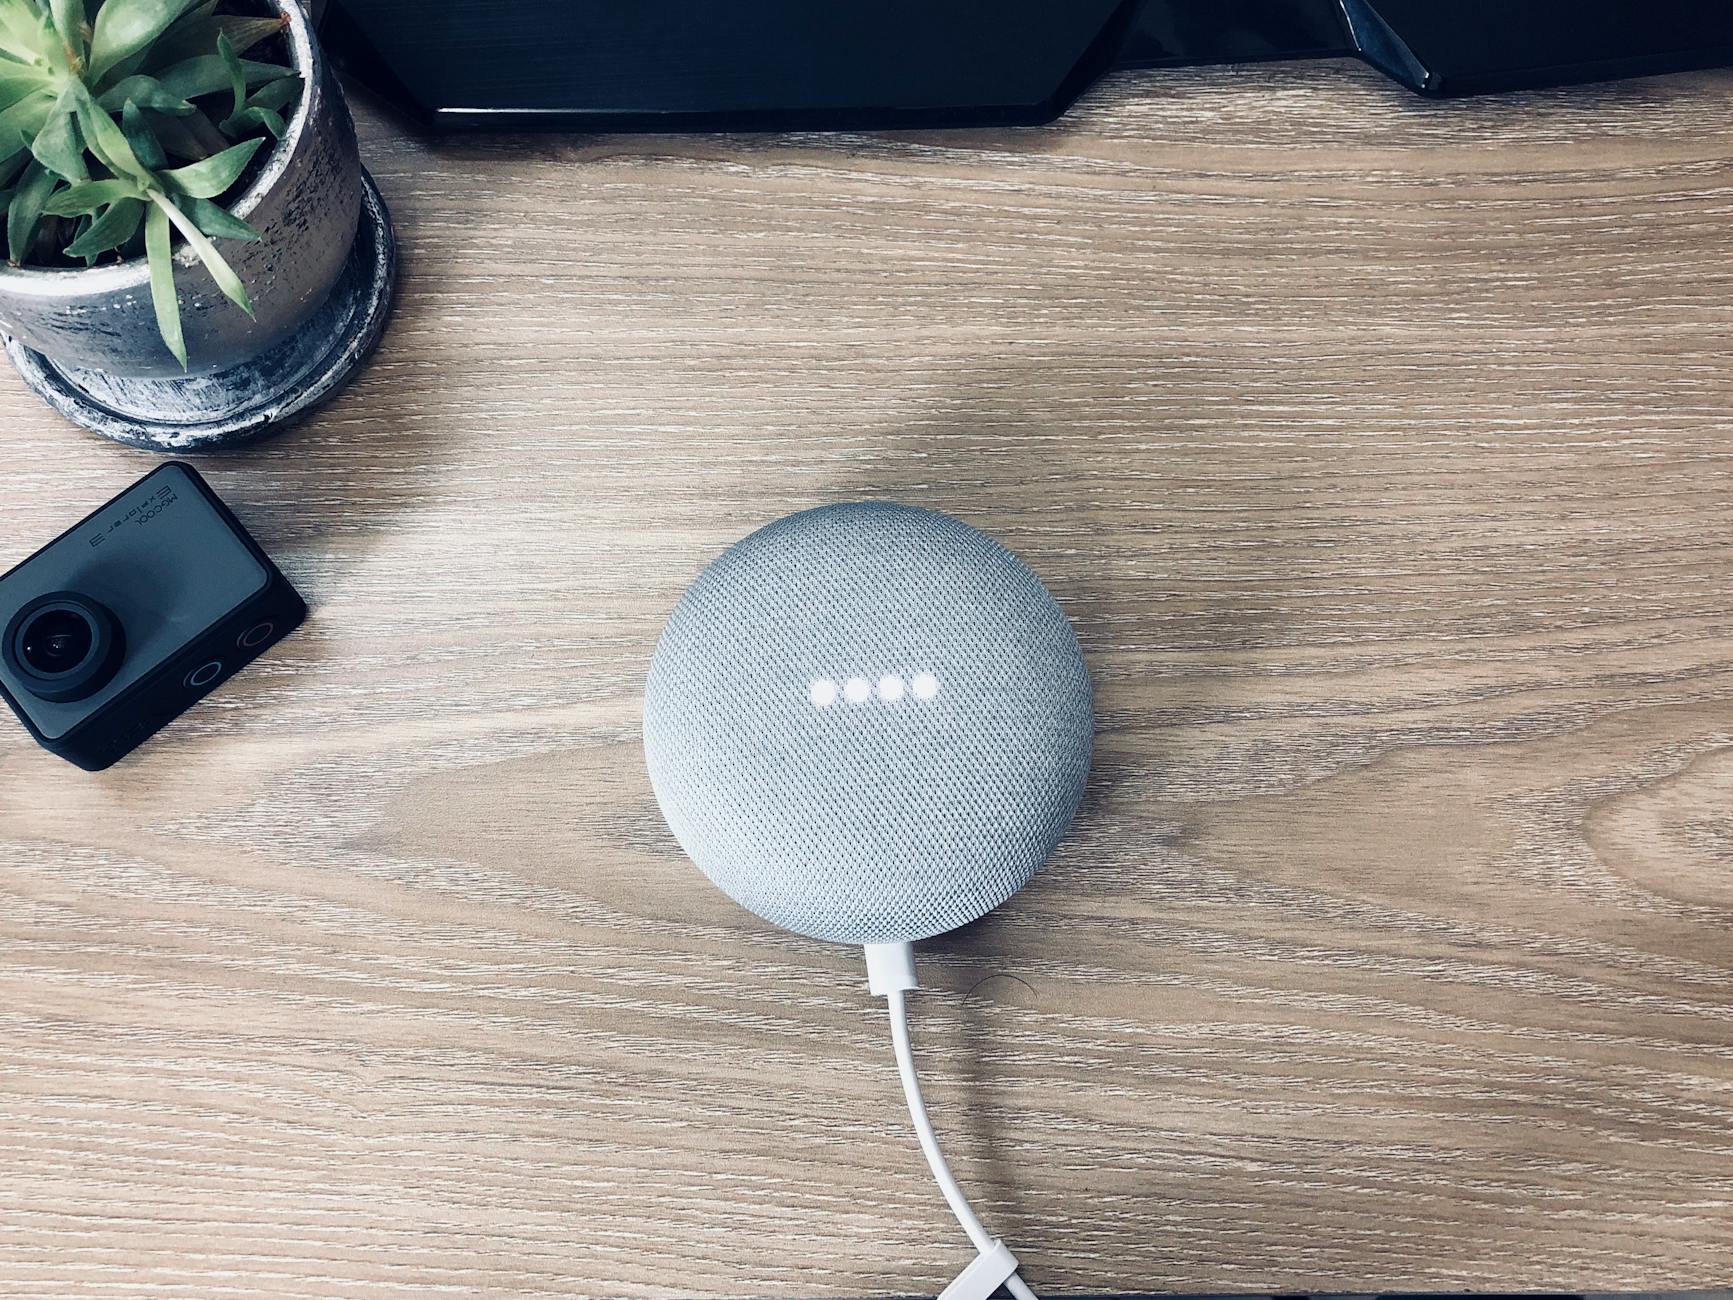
[{"x": 194, "y": 253}]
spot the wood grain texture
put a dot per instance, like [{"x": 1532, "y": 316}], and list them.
[{"x": 1381, "y": 451}]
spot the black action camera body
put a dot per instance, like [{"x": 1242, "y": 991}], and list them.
[{"x": 132, "y": 614}]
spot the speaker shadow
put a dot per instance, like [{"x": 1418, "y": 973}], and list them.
[{"x": 1145, "y": 520}]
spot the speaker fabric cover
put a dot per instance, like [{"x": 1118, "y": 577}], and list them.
[{"x": 868, "y": 723}]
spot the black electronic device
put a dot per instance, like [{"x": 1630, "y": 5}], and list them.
[
  {"x": 134, "y": 613},
  {"x": 695, "y": 65},
  {"x": 1717, "y": 1293}
]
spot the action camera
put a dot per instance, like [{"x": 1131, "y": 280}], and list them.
[{"x": 133, "y": 614}]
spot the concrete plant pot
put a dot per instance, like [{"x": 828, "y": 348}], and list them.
[{"x": 320, "y": 279}]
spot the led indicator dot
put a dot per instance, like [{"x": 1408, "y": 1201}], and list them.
[
  {"x": 822, "y": 692},
  {"x": 856, "y": 690},
  {"x": 890, "y": 688},
  {"x": 925, "y": 686}
]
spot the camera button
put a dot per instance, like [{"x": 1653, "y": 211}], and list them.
[
  {"x": 205, "y": 674},
  {"x": 256, "y": 635}
]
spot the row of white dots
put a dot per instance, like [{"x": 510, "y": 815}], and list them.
[{"x": 825, "y": 692}]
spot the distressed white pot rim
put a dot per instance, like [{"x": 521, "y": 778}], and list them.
[{"x": 55, "y": 281}]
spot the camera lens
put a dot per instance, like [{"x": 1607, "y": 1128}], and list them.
[
  {"x": 56, "y": 641},
  {"x": 63, "y": 647}
]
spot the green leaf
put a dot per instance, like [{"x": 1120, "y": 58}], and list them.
[
  {"x": 162, "y": 282},
  {"x": 176, "y": 136},
  {"x": 146, "y": 92},
  {"x": 12, "y": 19},
  {"x": 76, "y": 200},
  {"x": 142, "y": 139},
  {"x": 10, "y": 168},
  {"x": 206, "y": 74},
  {"x": 25, "y": 31},
  {"x": 211, "y": 177},
  {"x": 217, "y": 222},
  {"x": 244, "y": 33},
  {"x": 220, "y": 270},
  {"x": 25, "y": 118},
  {"x": 24, "y": 213},
  {"x": 57, "y": 145},
  {"x": 113, "y": 228},
  {"x": 126, "y": 27},
  {"x": 78, "y": 229},
  {"x": 14, "y": 86},
  {"x": 85, "y": 198},
  {"x": 69, "y": 22},
  {"x": 119, "y": 72},
  {"x": 106, "y": 140},
  {"x": 250, "y": 119},
  {"x": 237, "y": 75},
  {"x": 277, "y": 94},
  {"x": 20, "y": 11},
  {"x": 194, "y": 32}
]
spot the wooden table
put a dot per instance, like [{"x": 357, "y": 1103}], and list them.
[{"x": 1380, "y": 450}]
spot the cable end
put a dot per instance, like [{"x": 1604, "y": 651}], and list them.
[
  {"x": 890, "y": 968},
  {"x": 990, "y": 1270}
]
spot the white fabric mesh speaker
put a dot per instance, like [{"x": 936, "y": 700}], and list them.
[{"x": 868, "y": 723}]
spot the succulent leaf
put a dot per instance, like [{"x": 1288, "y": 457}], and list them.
[
  {"x": 57, "y": 145},
  {"x": 124, "y": 28},
  {"x": 25, "y": 118},
  {"x": 145, "y": 146},
  {"x": 69, "y": 23},
  {"x": 114, "y": 228},
  {"x": 203, "y": 180},
  {"x": 237, "y": 75},
  {"x": 107, "y": 141},
  {"x": 217, "y": 221},
  {"x": 249, "y": 119},
  {"x": 205, "y": 74},
  {"x": 27, "y": 32},
  {"x": 210, "y": 140},
  {"x": 146, "y": 92},
  {"x": 14, "y": 86},
  {"x": 220, "y": 270},
  {"x": 87, "y": 197},
  {"x": 11, "y": 164},
  {"x": 244, "y": 33},
  {"x": 192, "y": 33},
  {"x": 162, "y": 282},
  {"x": 24, "y": 213},
  {"x": 277, "y": 95},
  {"x": 177, "y": 137}
]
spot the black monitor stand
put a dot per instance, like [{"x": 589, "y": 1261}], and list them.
[{"x": 686, "y": 65}]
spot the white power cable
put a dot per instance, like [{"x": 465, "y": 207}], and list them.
[{"x": 891, "y": 973}]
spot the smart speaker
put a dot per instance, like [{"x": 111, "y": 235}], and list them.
[
  {"x": 868, "y": 723},
  {"x": 872, "y": 724}
]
